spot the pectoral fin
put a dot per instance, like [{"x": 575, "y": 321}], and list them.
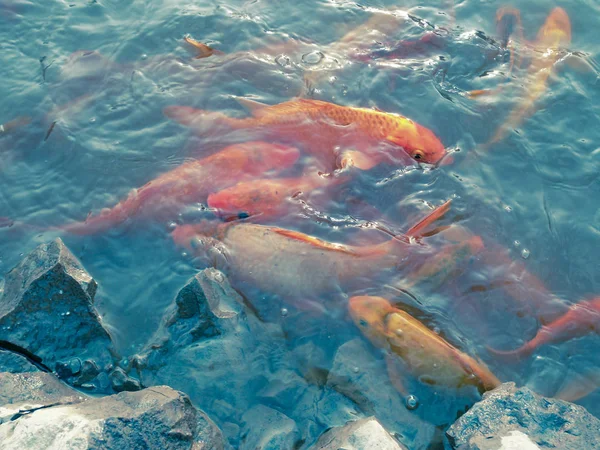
[
  {"x": 395, "y": 374},
  {"x": 354, "y": 158}
]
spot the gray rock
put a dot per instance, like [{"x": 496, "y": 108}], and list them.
[
  {"x": 361, "y": 377},
  {"x": 268, "y": 429},
  {"x": 358, "y": 435},
  {"x": 229, "y": 361},
  {"x": 47, "y": 309},
  {"x": 517, "y": 416},
  {"x": 154, "y": 418},
  {"x": 29, "y": 391}
]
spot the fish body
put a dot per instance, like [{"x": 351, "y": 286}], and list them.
[
  {"x": 424, "y": 354},
  {"x": 552, "y": 36},
  {"x": 322, "y": 126},
  {"x": 190, "y": 183},
  {"x": 581, "y": 319}
]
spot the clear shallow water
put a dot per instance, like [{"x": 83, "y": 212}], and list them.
[{"x": 538, "y": 186}]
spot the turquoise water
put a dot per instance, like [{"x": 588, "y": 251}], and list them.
[{"x": 94, "y": 77}]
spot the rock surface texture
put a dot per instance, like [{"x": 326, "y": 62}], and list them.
[
  {"x": 47, "y": 313},
  {"x": 40, "y": 412},
  {"x": 509, "y": 417},
  {"x": 359, "y": 435}
]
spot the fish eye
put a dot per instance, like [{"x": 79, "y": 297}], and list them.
[
  {"x": 363, "y": 323},
  {"x": 418, "y": 155}
]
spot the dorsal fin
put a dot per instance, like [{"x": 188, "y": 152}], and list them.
[
  {"x": 417, "y": 229},
  {"x": 252, "y": 106},
  {"x": 204, "y": 51},
  {"x": 316, "y": 242}
]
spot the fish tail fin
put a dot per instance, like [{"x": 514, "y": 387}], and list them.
[
  {"x": 511, "y": 356},
  {"x": 199, "y": 119},
  {"x": 439, "y": 212}
]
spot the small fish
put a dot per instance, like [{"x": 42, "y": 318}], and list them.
[
  {"x": 422, "y": 353},
  {"x": 581, "y": 319},
  {"x": 264, "y": 197},
  {"x": 554, "y": 35},
  {"x": 190, "y": 183},
  {"x": 293, "y": 265},
  {"x": 322, "y": 126}
]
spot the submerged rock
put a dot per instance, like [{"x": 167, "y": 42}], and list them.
[
  {"x": 268, "y": 429},
  {"x": 358, "y": 435},
  {"x": 47, "y": 310},
  {"x": 511, "y": 417},
  {"x": 39, "y": 412},
  {"x": 229, "y": 361}
]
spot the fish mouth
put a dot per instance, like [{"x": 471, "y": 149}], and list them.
[{"x": 445, "y": 160}]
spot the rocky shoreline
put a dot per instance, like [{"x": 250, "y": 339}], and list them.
[{"x": 64, "y": 385}]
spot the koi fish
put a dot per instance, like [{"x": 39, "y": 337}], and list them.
[
  {"x": 553, "y": 35},
  {"x": 322, "y": 126},
  {"x": 581, "y": 319},
  {"x": 191, "y": 182},
  {"x": 420, "y": 351},
  {"x": 296, "y": 266}
]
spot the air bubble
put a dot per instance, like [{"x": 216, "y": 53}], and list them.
[
  {"x": 313, "y": 58},
  {"x": 284, "y": 312},
  {"x": 355, "y": 369},
  {"x": 412, "y": 402},
  {"x": 517, "y": 243},
  {"x": 60, "y": 292},
  {"x": 282, "y": 61},
  {"x": 525, "y": 253},
  {"x": 219, "y": 278}
]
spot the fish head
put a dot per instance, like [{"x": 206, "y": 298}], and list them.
[
  {"x": 556, "y": 31},
  {"x": 253, "y": 197},
  {"x": 264, "y": 156},
  {"x": 419, "y": 142},
  {"x": 369, "y": 314}
]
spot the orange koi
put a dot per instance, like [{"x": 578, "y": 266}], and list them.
[
  {"x": 420, "y": 352},
  {"x": 581, "y": 319},
  {"x": 264, "y": 197},
  {"x": 293, "y": 265},
  {"x": 190, "y": 183},
  {"x": 552, "y": 36},
  {"x": 322, "y": 126}
]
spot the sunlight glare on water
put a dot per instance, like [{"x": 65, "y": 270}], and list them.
[{"x": 104, "y": 102}]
